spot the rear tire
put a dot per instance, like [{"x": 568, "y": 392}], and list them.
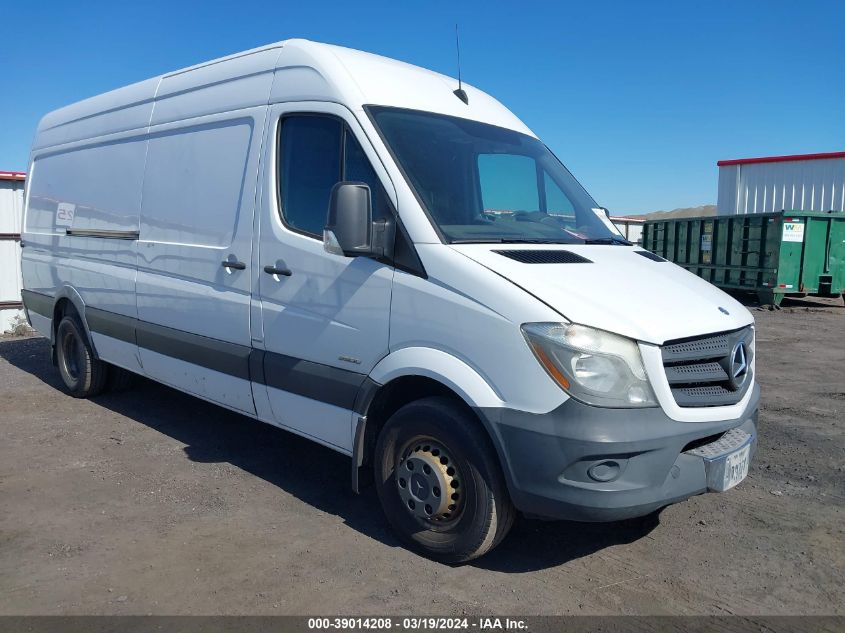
[
  {"x": 83, "y": 375},
  {"x": 439, "y": 482}
]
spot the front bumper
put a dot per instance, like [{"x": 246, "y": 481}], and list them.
[{"x": 586, "y": 463}]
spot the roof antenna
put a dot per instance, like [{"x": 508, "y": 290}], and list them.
[{"x": 459, "y": 93}]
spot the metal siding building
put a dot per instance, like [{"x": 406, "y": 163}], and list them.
[
  {"x": 631, "y": 228},
  {"x": 806, "y": 182},
  {"x": 11, "y": 212}
]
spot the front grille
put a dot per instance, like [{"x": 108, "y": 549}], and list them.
[{"x": 706, "y": 371}]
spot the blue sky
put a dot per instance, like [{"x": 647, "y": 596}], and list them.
[{"x": 639, "y": 99}]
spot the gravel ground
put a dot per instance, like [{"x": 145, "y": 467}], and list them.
[{"x": 151, "y": 501}]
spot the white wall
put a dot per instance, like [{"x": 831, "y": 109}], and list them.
[
  {"x": 11, "y": 209},
  {"x": 800, "y": 185}
]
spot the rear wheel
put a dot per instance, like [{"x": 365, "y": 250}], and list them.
[
  {"x": 83, "y": 375},
  {"x": 439, "y": 482}
]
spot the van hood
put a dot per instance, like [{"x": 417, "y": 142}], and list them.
[{"x": 617, "y": 290}]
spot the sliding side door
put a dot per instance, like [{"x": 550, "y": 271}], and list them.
[{"x": 195, "y": 253}]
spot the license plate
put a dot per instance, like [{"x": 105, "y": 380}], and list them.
[{"x": 736, "y": 467}]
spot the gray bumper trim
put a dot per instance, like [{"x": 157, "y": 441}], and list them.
[{"x": 591, "y": 464}]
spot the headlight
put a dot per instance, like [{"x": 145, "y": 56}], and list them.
[{"x": 594, "y": 366}]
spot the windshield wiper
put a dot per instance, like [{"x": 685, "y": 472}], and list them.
[
  {"x": 505, "y": 240},
  {"x": 609, "y": 240},
  {"x": 531, "y": 240},
  {"x": 495, "y": 240}
]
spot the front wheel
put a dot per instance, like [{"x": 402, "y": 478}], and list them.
[{"x": 439, "y": 482}]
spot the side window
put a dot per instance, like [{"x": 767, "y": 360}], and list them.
[
  {"x": 310, "y": 167},
  {"x": 357, "y": 168},
  {"x": 317, "y": 152},
  {"x": 508, "y": 183}
]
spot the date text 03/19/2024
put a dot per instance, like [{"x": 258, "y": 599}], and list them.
[{"x": 418, "y": 623}]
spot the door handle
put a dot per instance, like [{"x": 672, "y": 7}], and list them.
[
  {"x": 236, "y": 265},
  {"x": 272, "y": 270}
]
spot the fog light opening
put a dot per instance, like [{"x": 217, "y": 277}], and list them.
[{"x": 604, "y": 471}]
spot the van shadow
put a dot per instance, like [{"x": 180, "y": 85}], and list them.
[
  {"x": 534, "y": 544},
  {"x": 810, "y": 302},
  {"x": 314, "y": 474},
  {"x": 750, "y": 300}
]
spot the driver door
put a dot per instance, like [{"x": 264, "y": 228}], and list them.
[{"x": 323, "y": 317}]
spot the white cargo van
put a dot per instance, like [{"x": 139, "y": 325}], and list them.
[{"x": 358, "y": 251}]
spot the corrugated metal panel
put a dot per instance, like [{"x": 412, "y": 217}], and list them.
[
  {"x": 769, "y": 187},
  {"x": 11, "y": 211},
  {"x": 726, "y": 202}
]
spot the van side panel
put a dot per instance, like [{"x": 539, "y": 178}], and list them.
[
  {"x": 458, "y": 310},
  {"x": 81, "y": 217},
  {"x": 118, "y": 111},
  {"x": 235, "y": 84},
  {"x": 197, "y": 213}
]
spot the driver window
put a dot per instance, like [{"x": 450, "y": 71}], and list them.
[
  {"x": 310, "y": 166},
  {"x": 357, "y": 168},
  {"x": 318, "y": 151}
]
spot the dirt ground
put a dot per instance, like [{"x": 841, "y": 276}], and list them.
[{"x": 151, "y": 501}]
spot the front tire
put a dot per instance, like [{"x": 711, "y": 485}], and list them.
[
  {"x": 83, "y": 375},
  {"x": 439, "y": 482}
]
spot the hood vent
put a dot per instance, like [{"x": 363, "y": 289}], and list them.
[
  {"x": 651, "y": 256},
  {"x": 545, "y": 257}
]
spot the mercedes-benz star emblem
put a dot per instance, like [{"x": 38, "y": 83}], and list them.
[{"x": 739, "y": 365}]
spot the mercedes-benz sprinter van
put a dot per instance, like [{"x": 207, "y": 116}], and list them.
[{"x": 364, "y": 253}]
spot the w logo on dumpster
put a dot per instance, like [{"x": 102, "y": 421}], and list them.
[{"x": 793, "y": 231}]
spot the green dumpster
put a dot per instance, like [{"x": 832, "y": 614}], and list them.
[{"x": 772, "y": 254}]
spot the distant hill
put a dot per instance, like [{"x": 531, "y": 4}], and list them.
[{"x": 685, "y": 212}]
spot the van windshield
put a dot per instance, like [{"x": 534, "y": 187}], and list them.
[{"x": 482, "y": 183}]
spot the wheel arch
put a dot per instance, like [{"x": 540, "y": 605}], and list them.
[
  {"x": 67, "y": 300},
  {"x": 442, "y": 367},
  {"x": 408, "y": 375}
]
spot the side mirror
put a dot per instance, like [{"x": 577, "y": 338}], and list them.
[{"x": 349, "y": 227}]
